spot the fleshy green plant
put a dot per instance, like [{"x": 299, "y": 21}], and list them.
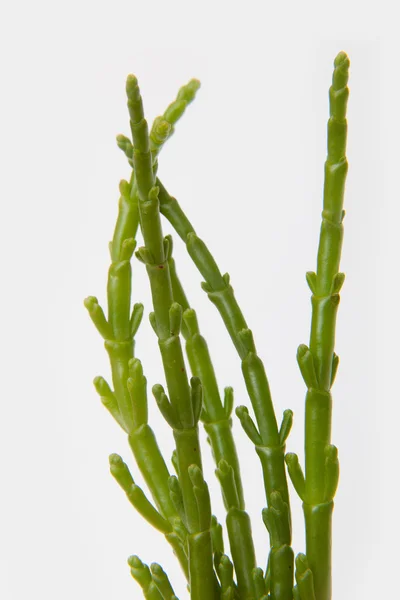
[{"x": 181, "y": 507}]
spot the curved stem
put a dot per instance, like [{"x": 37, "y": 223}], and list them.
[
  {"x": 216, "y": 415},
  {"x": 269, "y": 446},
  {"x": 129, "y": 407}
]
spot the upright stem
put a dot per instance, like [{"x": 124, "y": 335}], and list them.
[
  {"x": 118, "y": 332},
  {"x": 269, "y": 439},
  {"x": 321, "y": 466},
  {"x": 128, "y": 402},
  {"x": 215, "y": 415},
  {"x": 182, "y": 411},
  {"x": 218, "y": 425}
]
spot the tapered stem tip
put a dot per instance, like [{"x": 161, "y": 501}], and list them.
[
  {"x": 131, "y": 82},
  {"x": 188, "y": 91},
  {"x": 162, "y": 129},
  {"x": 101, "y": 385},
  {"x": 341, "y": 72},
  {"x": 194, "y": 84},
  {"x": 124, "y": 188},
  {"x": 115, "y": 460},
  {"x": 135, "y": 368},
  {"x": 302, "y": 351},
  {"x": 134, "y": 562},
  {"x": 301, "y": 563},
  {"x": 90, "y": 302},
  {"x": 157, "y": 570},
  {"x": 342, "y": 60},
  {"x": 196, "y": 476}
]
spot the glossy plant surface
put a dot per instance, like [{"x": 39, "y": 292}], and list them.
[{"x": 181, "y": 506}]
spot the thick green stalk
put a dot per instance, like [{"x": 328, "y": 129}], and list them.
[
  {"x": 269, "y": 441},
  {"x": 269, "y": 447},
  {"x": 128, "y": 402},
  {"x": 216, "y": 414},
  {"x": 318, "y": 363},
  {"x": 218, "y": 425},
  {"x": 183, "y": 410},
  {"x": 222, "y": 295}
]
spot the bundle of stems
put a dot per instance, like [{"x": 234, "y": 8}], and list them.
[{"x": 181, "y": 506}]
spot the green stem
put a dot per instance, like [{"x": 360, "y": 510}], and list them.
[
  {"x": 269, "y": 444},
  {"x": 218, "y": 425},
  {"x": 216, "y": 415},
  {"x": 222, "y": 295},
  {"x": 319, "y": 363},
  {"x": 281, "y": 558},
  {"x": 141, "y": 573},
  {"x": 138, "y": 499},
  {"x": 239, "y": 532},
  {"x": 203, "y": 580},
  {"x": 183, "y": 409},
  {"x": 129, "y": 406}
]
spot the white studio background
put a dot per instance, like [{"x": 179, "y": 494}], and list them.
[{"x": 246, "y": 162}]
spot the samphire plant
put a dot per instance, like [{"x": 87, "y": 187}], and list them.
[{"x": 181, "y": 507}]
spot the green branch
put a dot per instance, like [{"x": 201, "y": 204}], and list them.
[
  {"x": 216, "y": 414},
  {"x": 127, "y": 403},
  {"x": 270, "y": 441},
  {"x": 182, "y": 410},
  {"x": 318, "y": 363}
]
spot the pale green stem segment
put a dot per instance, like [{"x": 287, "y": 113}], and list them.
[
  {"x": 268, "y": 439},
  {"x": 216, "y": 414},
  {"x": 128, "y": 402},
  {"x": 221, "y": 294},
  {"x": 218, "y": 424},
  {"x": 182, "y": 411},
  {"x": 318, "y": 363},
  {"x": 239, "y": 533}
]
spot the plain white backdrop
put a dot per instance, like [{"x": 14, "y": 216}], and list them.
[{"x": 246, "y": 163}]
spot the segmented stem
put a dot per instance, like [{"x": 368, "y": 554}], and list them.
[
  {"x": 216, "y": 414},
  {"x": 268, "y": 441},
  {"x": 318, "y": 363},
  {"x": 218, "y": 424},
  {"x": 182, "y": 410},
  {"x": 128, "y": 402},
  {"x": 182, "y": 510},
  {"x": 239, "y": 532}
]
